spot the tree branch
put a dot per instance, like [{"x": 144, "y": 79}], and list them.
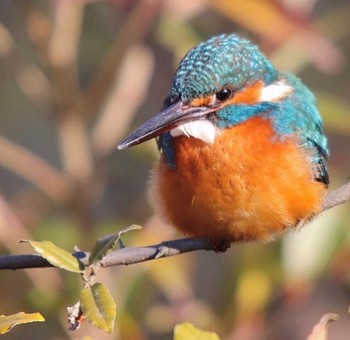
[
  {"x": 336, "y": 197},
  {"x": 123, "y": 256},
  {"x": 131, "y": 255}
]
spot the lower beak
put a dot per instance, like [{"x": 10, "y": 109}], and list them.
[{"x": 164, "y": 121}]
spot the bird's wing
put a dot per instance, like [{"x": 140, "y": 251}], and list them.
[{"x": 304, "y": 118}]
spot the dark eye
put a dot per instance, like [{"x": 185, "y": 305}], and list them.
[{"x": 224, "y": 94}]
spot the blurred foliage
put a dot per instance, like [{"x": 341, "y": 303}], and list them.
[
  {"x": 186, "y": 331},
  {"x": 76, "y": 77}
]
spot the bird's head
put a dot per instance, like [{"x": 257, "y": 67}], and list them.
[{"x": 219, "y": 83}]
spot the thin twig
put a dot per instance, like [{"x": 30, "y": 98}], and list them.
[
  {"x": 336, "y": 197},
  {"x": 123, "y": 256},
  {"x": 35, "y": 169},
  {"x": 132, "y": 255}
]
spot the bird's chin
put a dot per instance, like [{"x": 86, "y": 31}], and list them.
[{"x": 202, "y": 129}]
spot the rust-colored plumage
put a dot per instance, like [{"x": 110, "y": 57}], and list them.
[{"x": 236, "y": 188}]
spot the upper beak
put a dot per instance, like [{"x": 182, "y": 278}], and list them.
[{"x": 164, "y": 121}]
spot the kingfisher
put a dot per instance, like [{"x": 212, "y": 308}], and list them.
[{"x": 243, "y": 153}]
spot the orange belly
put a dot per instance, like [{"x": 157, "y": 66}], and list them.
[{"x": 247, "y": 185}]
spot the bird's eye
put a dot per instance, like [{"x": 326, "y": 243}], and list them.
[{"x": 224, "y": 94}]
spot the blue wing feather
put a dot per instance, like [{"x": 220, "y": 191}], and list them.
[{"x": 299, "y": 115}]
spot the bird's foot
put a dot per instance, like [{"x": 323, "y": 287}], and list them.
[{"x": 219, "y": 244}]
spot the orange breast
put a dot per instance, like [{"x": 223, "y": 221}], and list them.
[{"x": 248, "y": 185}]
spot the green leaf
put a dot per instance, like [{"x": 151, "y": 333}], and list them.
[
  {"x": 58, "y": 257},
  {"x": 98, "y": 306},
  {"x": 105, "y": 244},
  {"x": 10, "y": 321},
  {"x": 186, "y": 331}
]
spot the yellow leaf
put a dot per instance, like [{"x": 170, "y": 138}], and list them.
[
  {"x": 8, "y": 322},
  {"x": 187, "y": 331},
  {"x": 98, "y": 306},
  {"x": 58, "y": 257}
]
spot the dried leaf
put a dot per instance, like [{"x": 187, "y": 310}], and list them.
[
  {"x": 75, "y": 316},
  {"x": 320, "y": 330},
  {"x": 58, "y": 257},
  {"x": 8, "y": 322}
]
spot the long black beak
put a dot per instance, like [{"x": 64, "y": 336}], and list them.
[{"x": 164, "y": 121}]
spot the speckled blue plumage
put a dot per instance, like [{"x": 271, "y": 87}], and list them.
[
  {"x": 230, "y": 60},
  {"x": 222, "y": 60}
]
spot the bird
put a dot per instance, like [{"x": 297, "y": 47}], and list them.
[{"x": 243, "y": 152}]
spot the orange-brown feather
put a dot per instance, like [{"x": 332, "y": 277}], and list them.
[
  {"x": 247, "y": 185},
  {"x": 248, "y": 95},
  {"x": 201, "y": 101}
]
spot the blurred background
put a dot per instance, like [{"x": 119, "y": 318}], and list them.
[{"x": 75, "y": 78}]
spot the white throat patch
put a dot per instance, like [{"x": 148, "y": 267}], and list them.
[
  {"x": 275, "y": 92},
  {"x": 206, "y": 131},
  {"x": 200, "y": 129}
]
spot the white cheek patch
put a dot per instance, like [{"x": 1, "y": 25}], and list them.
[
  {"x": 275, "y": 92},
  {"x": 200, "y": 129}
]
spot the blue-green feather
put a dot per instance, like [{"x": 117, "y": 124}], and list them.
[
  {"x": 222, "y": 60},
  {"x": 231, "y": 60}
]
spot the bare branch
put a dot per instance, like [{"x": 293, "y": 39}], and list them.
[
  {"x": 131, "y": 255},
  {"x": 23, "y": 261},
  {"x": 336, "y": 197},
  {"x": 123, "y": 256}
]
